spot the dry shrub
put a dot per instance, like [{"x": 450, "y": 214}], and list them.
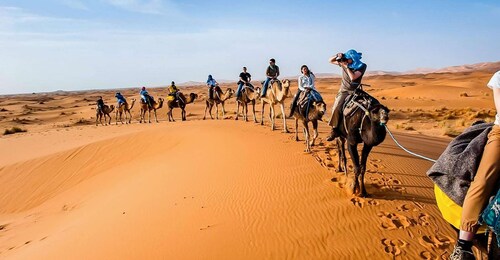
[
  {"x": 14, "y": 130},
  {"x": 464, "y": 94}
]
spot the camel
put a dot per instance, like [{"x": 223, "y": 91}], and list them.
[
  {"x": 171, "y": 104},
  {"x": 124, "y": 108},
  {"x": 146, "y": 108},
  {"x": 219, "y": 98},
  {"x": 315, "y": 113},
  {"x": 276, "y": 93},
  {"x": 104, "y": 112},
  {"x": 248, "y": 95},
  {"x": 367, "y": 127}
]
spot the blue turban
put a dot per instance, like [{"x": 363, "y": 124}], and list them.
[{"x": 355, "y": 57}]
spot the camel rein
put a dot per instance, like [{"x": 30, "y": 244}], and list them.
[{"x": 406, "y": 150}]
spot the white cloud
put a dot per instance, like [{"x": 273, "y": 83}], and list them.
[
  {"x": 14, "y": 15},
  {"x": 75, "y": 4},
  {"x": 148, "y": 7}
]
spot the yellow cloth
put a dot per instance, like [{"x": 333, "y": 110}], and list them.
[
  {"x": 173, "y": 89},
  {"x": 451, "y": 211}
]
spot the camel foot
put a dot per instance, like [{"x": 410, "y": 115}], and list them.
[
  {"x": 365, "y": 195},
  {"x": 236, "y": 119},
  {"x": 286, "y": 131},
  {"x": 307, "y": 150},
  {"x": 296, "y": 139}
]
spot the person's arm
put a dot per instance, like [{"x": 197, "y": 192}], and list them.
[
  {"x": 496, "y": 97},
  {"x": 352, "y": 75},
  {"x": 249, "y": 78},
  {"x": 268, "y": 71},
  {"x": 333, "y": 59},
  {"x": 277, "y": 72}
]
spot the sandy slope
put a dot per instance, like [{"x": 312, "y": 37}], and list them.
[
  {"x": 223, "y": 189},
  {"x": 214, "y": 190}
]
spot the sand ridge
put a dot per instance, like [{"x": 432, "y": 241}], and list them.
[{"x": 223, "y": 188}]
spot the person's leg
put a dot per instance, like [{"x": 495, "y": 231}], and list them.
[
  {"x": 480, "y": 190},
  {"x": 264, "y": 87},
  {"x": 211, "y": 92},
  {"x": 293, "y": 105},
  {"x": 336, "y": 114},
  {"x": 238, "y": 90}
]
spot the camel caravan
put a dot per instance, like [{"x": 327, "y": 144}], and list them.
[{"x": 357, "y": 118}]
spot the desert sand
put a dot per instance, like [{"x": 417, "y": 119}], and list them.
[{"x": 225, "y": 189}]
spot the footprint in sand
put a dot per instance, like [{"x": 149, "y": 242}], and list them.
[
  {"x": 391, "y": 221},
  {"x": 373, "y": 203},
  {"x": 435, "y": 243},
  {"x": 359, "y": 202},
  {"x": 406, "y": 208},
  {"x": 393, "y": 247},
  {"x": 427, "y": 255},
  {"x": 425, "y": 219}
]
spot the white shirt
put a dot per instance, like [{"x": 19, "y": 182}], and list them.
[
  {"x": 495, "y": 83},
  {"x": 306, "y": 82}
]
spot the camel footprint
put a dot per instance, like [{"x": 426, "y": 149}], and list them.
[
  {"x": 435, "y": 243},
  {"x": 406, "y": 208},
  {"x": 391, "y": 221},
  {"x": 393, "y": 247},
  {"x": 359, "y": 202},
  {"x": 425, "y": 219}
]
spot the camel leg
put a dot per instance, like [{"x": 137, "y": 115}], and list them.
[
  {"x": 253, "y": 110},
  {"x": 315, "y": 128},
  {"x": 156, "y": 118},
  {"x": 238, "y": 110},
  {"x": 342, "y": 166},
  {"x": 183, "y": 114},
  {"x": 364, "y": 158},
  {"x": 116, "y": 117},
  {"x": 353, "y": 151},
  {"x": 306, "y": 133},
  {"x": 285, "y": 128},
  {"x": 223, "y": 111},
  {"x": 262, "y": 114},
  {"x": 271, "y": 117},
  {"x": 149, "y": 116},
  {"x": 296, "y": 129},
  {"x": 96, "y": 119},
  {"x": 129, "y": 116},
  {"x": 216, "y": 111}
]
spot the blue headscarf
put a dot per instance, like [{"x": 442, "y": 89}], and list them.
[
  {"x": 209, "y": 78},
  {"x": 355, "y": 57}
]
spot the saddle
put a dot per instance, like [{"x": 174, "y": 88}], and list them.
[
  {"x": 304, "y": 102},
  {"x": 359, "y": 99}
]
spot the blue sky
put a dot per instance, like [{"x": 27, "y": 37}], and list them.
[{"x": 74, "y": 44}]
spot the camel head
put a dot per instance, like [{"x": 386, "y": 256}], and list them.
[
  {"x": 229, "y": 93},
  {"x": 379, "y": 113},
  {"x": 192, "y": 97},
  {"x": 256, "y": 93},
  {"x": 317, "y": 111},
  {"x": 286, "y": 86}
]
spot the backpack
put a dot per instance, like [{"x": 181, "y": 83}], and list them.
[{"x": 491, "y": 216}]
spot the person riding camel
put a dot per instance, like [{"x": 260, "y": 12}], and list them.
[
  {"x": 145, "y": 97},
  {"x": 174, "y": 91},
  {"x": 100, "y": 104},
  {"x": 213, "y": 86},
  {"x": 245, "y": 79},
  {"x": 120, "y": 99},
  {"x": 484, "y": 184},
  {"x": 305, "y": 83},
  {"x": 272, "y": 73},
  {"x": 352, "y": 74}
]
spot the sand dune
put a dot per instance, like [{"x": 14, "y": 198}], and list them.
[
  {"x": 220, "y": 189},
  {"x": 214, "y": 190}
]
